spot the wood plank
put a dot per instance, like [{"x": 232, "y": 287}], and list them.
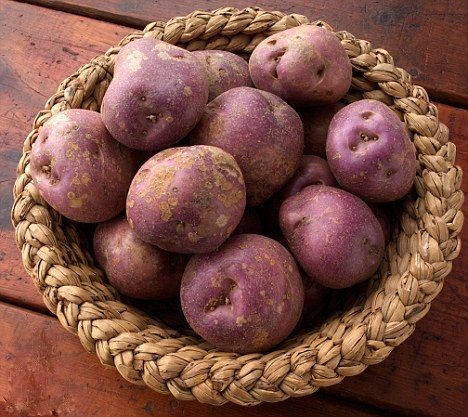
[
  {"x": 25, "y": 86},
  {"x": 416, "y": 33},
  {"x": 15, "y": 52},
  {"x": 58, "y": 378}
]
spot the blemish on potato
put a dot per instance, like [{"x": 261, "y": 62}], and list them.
[
  {"x": 240, "y": 321},
  {"x": 169, "y": 119},
  {"x": 187, "y": 91},
  {"x": 336, "y": 156},
  {"x": 75, "y": 202},
  {"x": 222, "y": 220},
  {"x": 172, "y": 201},
  {"x": 263, "y": 293},
  {"x": 193, "y": 237},
  {"x": 260, "y": 339},
  {"x": 166, "y": 212},
  {"x": 72, "y": 147},
  {"x": 131, "y": 203},
  {"x": 134, "y": 60}
]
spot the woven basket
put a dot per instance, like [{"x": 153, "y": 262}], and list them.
[{"x": 145, "y": 350}]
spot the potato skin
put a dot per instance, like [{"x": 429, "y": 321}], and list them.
[
  {"x": 187, "y": 200},
  {"x": 79, "y": 169},
  {"x": 261, "y": 131},
  {"x": 136, "y": 268},
  {"x": 225, "y": 71},
  {"x": 333, "y": 234},
  {"x": 245, "y": 297},
  {"x": 370, "y": 153},
  {"x": 305, "y": 65},
  {"x": 157, "y": 95},
  {"x": 312, "y": 170}
]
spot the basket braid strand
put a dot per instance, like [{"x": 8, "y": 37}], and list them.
[{"x": 146, "y": 351}]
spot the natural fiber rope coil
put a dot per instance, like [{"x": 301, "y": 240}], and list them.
[{"x": 145, "y": 351}]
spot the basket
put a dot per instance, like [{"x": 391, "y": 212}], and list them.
[{"x": 145, "y": 350}]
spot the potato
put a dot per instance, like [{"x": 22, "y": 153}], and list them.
[
  {"x": 370, "y": 153},
  {"x": 225, "y": 71},
  {"x": 187, "y": 200},
  {"x": 245, "y": 297},
  {"x": 333, "y": 234},
  {"x": 305, "y": 65},
  {"x": 312, "y": 170},
  {"x": 316, "y": 121},
  {"x": 157, "y": 95},
  {"x": 133, "y": 267},
  {"x": 261, "y": 131},
  {"x": 79, "y": 169}
]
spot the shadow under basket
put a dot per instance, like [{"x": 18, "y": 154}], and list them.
[{"x": 363, "y": 330}]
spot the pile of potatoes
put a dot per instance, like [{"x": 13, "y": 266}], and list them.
[{"x": 246, "y": 189}]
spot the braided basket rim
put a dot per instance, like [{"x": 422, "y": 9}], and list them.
[{"x": 146, "y": 351}]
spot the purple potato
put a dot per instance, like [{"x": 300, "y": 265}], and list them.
[
  {"x": 136, "y": 268},
  {"x": 187, "y": 200},
  {"x": 370, "y": 152},
  {"x": 79, "y": 169},
  {"x": 157, "y": 96},
  {"x": 245, "y": 297},
  {"x": 225, "y": 71},
  {"x": 305, "y": 65},
  {"x": 333, "y": 234},
  {"x": 261, "y": 131},
  {"x": 312, "y": 170}
]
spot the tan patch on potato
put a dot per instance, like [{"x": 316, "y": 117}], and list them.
[
  {"x": 75, "y": 202},
  {"x": 169, "y": 119},
  {"x": 279, "y": 307},
  {"x": 134, "y": 60},
  {"x": 131, "y": 203},
  {"x": 231, "y": 198},
  {"x": 172, "y": 201},
  {"x": 59, "y": 119},
  {"x": 162, "y": 180},
  {"x": 193, "y": 237},
  {"x": 240, "y": 321},
  {"x": 260, "y": 339},
  {"x": 187, "y": 91},
  {"x": 164, "y": 55},
  {"x": 166, "y": 212},
  {"x": 72, "y": 148},
  {"x": 222, "y": 220},
  {"x": 86, "y": 178}
]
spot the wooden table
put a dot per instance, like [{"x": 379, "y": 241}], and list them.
[{"x": 44, "y": 371}]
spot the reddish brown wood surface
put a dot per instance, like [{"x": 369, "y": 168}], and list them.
[
  {"x": 58, "y": 378},
  {"x": 425, "y": 37},
  {"x": 39, "y": 48}
]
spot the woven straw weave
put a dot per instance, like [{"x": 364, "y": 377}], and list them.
[{"x": 145, "y": 351}]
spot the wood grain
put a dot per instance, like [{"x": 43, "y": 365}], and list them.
[
  {"x": 426, "y": 375},
  {"x": 426, "y": 38},
  {"x": 58, "y": 378}
]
